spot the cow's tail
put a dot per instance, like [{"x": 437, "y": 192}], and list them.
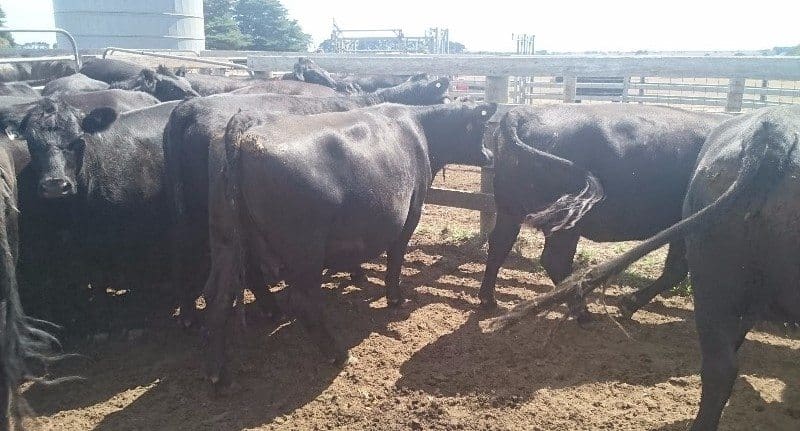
[
  {"x": 235, "y": 132},
  {"x": 568, "y": 209},
  {"x": 227, "y": 210},
  {"x": 764, "y": 159},
  {"x": 26, "y": 344},
  {"x": 175, "y": 143}
]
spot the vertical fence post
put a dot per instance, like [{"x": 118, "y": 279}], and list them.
[
  {"x": 570, "y": 88},
  {"x": 496, "y": 91},
  {"x": 763, "y": 97},
  {"x": 626, "y": 87},
  {"x": 735, "y": 95},
  {"x": 641, "y": 89}
]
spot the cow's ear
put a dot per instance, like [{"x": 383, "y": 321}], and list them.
[
  {"x": 147, "y": 81},
  {"x": 181, "y": 71},
  {"x": 486, "y": 110},
  {"x": 13, "y": 122},
  {"x": 98, "y": 119},
  {"x": 299, "y": 73}
]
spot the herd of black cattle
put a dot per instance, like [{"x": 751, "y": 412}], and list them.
[{"x": 129, "y": 178}]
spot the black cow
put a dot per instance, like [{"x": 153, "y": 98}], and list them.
[
  {"x": 332, "y": 190},
  {"x": 370, "y": 83},
  {"x": 604, "y": 172},
  {"x": 742, "y": 241},
  {"x": 18, "y": 89},
  {"x": 23, "y": 340},
  {"x": 206, "y": 85},
  {"x": 9, "y": 73},
  {"x": 110, "y": 70},
  {"x": 105, "y": 172},
  {"x": 43, "y": 70},
  {"x": 293, "y": 88},
  {"x": 744, "y": 265},
  {"x": 76, "y": 83},
  {"x": 309, "y": 71},
  {"x": 13, "y": 111},
  {"x": 161, "y": 83},
  {"x": 49, "y": 70},
  {"x": 193, "y": 132}
]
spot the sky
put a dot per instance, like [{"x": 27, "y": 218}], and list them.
[{"x": 560, "y": 26}]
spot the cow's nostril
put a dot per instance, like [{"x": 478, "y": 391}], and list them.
[{"x": 56, "y": 187}]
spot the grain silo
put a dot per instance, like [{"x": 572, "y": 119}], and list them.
[{"x": 146, "y": 24}]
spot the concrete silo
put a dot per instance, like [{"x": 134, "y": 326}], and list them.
[{"x": 145, "y": 24}]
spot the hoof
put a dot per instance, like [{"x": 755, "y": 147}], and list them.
[
  {"x": 488, "y": 304},
  {"x": 358, "y": 277},
  {"x": 627, "y": 306},
  {"x": 340, "y": 359},
  {"x": 220, "y": 387},
  {"x": 584, "y": 318},
  {"x": 187, "y": 322},
  {"x": 220, "y": 383}
]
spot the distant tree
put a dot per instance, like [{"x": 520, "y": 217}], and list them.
[
  {"x": 222, "y": 32},
  {"x": 782, "y": 50},
  {"x": 457, "y": 47},
  {"x": 6, "y": 41},
  {"x": 327, "y": 46},
  {"x": 267, "y": 24}
]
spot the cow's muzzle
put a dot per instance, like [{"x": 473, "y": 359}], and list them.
[{"x": 56, "y": 188}]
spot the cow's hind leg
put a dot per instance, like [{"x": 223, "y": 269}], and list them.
[
  {"x": 189, "y": 269},
  {"x": 224, "y": 281},
  {"x": 5, "y": 396},
  {"x": 306, "y": 299},
  {"x": 559, "y": 251},
  {"x": 675, "y": 270},
  {"x": 501, "y": 240},
  {"x": 258, "y": 279},
  {"x": 721, "y": 329},
  {"x": 396, "y": 254}
]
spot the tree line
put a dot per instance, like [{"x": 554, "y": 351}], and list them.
[{"x": 253, "y": 25}]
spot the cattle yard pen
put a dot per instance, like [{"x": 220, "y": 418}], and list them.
[
  {"x": 712, "y": 83},
  {"x": 733, "y": 83}
]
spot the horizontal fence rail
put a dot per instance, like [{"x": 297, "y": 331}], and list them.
[
  {"x": 773, "y": 67},
  {"x": 225, "y": 64},
  {"x": 75, "y": 56}
]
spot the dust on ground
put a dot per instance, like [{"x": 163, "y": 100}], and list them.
[{"x": 429, "y": 366}]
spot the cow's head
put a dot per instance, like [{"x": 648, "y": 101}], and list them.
[
  {"x": 307, "y": 70},
  {"x": 55, "y": 133},
  {"x": 417, "y": 92},
  {"x": 455, "y": 133},
  {"x": 161, "y": 83}
]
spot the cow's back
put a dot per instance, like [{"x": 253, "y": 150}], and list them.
[{"x": 110, "y": 70}]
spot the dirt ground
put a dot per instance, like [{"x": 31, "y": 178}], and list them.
[{"x": 429, "y": 366}]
